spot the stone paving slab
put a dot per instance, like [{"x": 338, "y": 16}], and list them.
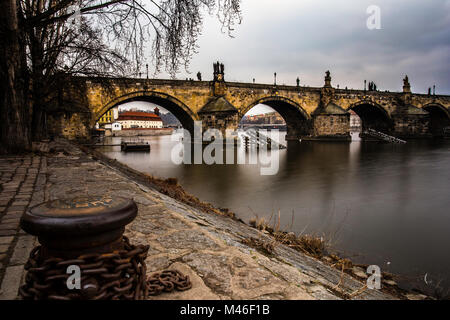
[
  {"x": 18, "y": 182},
  {"x": 11, "y": 282},
  {"x": 206, "y": 247}
]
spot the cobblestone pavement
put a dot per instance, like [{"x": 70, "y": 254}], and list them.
[
  {"x": 207, "y": 247},
  {"x": 22, "y": 181}
]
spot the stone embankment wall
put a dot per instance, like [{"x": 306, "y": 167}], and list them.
[{"x": 140, "y": 132}]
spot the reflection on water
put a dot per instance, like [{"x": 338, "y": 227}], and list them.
[{"x": 388, "y": 203}]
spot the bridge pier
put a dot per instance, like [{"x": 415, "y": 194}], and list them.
[
  {"x": 331, "y": 123},
  {"x": 408, "y": 125},
  {"x": 297, "y": 131},
  {"x": 219, "y": 114},
  {"x": 408, "y": 120}
]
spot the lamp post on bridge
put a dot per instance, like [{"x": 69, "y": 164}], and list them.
[
  {"x": 147, "y": 69},
  {"x": 274, "y": 78}
]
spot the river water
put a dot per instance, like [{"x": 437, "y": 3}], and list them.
[{"x": 376, "y": 203}]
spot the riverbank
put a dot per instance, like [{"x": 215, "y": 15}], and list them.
[
  {"x": 138, "y": 132},
  {"x": 210, "y": 245}
]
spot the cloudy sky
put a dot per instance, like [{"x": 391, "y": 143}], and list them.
[{"x": 307, "y": 37}]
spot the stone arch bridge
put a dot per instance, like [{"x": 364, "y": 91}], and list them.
[{"x": 310, "y": 113}]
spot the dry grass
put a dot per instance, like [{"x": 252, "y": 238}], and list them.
[
  {"x": 260, "y": 224},
  {"x": 311, "y": 245},
  {"x": 173, "y": 189},
  {"x": 266, "y": 247}
]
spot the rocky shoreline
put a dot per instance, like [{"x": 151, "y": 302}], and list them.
[
  {"x": 209, "y": 244},
  {"x": 171, "y": 188}
]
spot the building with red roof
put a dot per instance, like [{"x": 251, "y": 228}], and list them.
[{"x": 135, "y": 120}]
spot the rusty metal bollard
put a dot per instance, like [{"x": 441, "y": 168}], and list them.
[{"x": 84, "y": 235}]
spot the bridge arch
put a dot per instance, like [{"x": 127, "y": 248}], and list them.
[
  {"x": 296, "y": 118},
  {"x": 439, "y": 118},
  {"x": 172, "y": 104},
  {"x": 373, "y": 116}
]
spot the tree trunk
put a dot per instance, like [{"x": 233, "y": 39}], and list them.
[
  {"x": 38, "y": 124},
  {"x": 14, "y": 102},
  {"x": 39, "y": 86}
]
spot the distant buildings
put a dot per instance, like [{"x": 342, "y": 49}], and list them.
[
  {"x": 116, "y": 126},
  {"x": 355, "y": 121},
  {"x": 106, "y": 118},
  {"x": 109, "y": 117},
  {"x": 266, "y": 118},
  {"x": 135, "y": 120}
]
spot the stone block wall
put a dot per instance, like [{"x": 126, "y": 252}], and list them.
[
  {"x": 411, "y": 126},
  {"x": 220, "y": 121},
  {"x": 332, "y": 126},
  {"x": 73, "y": 126}
]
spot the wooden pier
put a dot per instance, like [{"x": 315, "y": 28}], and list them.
[{"x": 134, "y": 145}]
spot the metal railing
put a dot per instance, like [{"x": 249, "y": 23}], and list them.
[
  {"x": 383, "y": 136},
  {"x": 253, "y": 137}
]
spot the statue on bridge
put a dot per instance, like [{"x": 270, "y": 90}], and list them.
[
  {"x": 406, "y": 81},
  {"x": 406, "y": 85},
  {"x": 219, "y": 86},
  {"x": 327, "y": 79},
  {"x": 199, "y": 76},
  {"x": 219, "y": 69}
]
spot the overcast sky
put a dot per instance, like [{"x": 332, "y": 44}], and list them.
[{"x": 307, "y": 37}]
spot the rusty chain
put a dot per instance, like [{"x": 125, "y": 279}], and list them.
[
  {"x": 109, "y": 276},
  {"x": 167, "y": 281}
]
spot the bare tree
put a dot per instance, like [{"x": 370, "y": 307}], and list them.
[
  {"x": 89, "y": 37},
  {"x": 14, "y": 106}
]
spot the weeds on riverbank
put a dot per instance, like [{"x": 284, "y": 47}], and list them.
[
  {"x": 318, "y": 248},
  {"x": 311, "y": 245},
  {"x": 266, "y": 247},
  {"x": 173, "y": 189}
]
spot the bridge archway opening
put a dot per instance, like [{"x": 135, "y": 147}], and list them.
[
  {"x": 439, "y": 119},
  {"x": 372, "y": 116},
  {"x": 164, "y": 103},
  {"x": 296, "y": 120},
  {"x": 262, "y": 116}
]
